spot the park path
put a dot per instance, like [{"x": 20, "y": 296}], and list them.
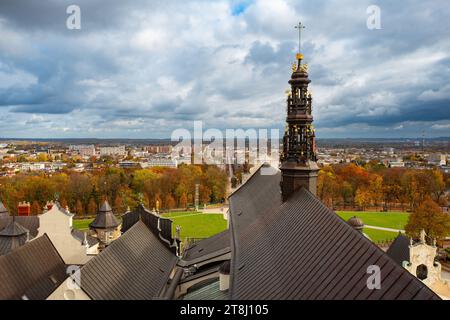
[{"x": 384, "y": 229}]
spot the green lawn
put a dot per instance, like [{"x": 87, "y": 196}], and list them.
[
  {"x": 81, "y": 224},
  {"x": 193, "y": 224},
  {"x": 394, "y": 220},
  {"x": 380, "y": 235},
  {"x": 199, "y": 225}
]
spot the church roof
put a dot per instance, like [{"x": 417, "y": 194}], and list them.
[
  {"x": 105, "y": 218},
  {"x": 302, "y": 250},
  {"x": 32, "y": 271},
  {"x": 136, "y": 266},
  {"x": 399, "y": 249}
]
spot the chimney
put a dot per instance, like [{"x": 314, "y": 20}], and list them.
[{"x": 24, "y": 209}]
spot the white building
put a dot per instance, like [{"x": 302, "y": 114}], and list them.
[
  {"x": 83, "y": 150},
  {"x": 113, "y": 151},
  {"x": 160, "y": 162},
  {"x": 75, "y": 247}
]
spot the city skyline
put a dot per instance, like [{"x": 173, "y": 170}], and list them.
[{"x": 142, "y": 69}]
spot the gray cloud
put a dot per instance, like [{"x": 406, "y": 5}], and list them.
[{"x": 144, "y": 68}]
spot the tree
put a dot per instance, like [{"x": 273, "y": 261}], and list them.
[
  {"x": 169, "y": 202},
  {"x": 35, "y": 208},
  {"x": 92, "y": 207},
  {"x": 183, "y": 201},
  {"x": 429, "y": 217},
  {"x": 362, "y": 198},
  {"x": 79, "y": 210},
  {"x": 118, "y": 205}
]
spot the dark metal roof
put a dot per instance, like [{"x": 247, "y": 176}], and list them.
[
  {"x": 136, "y": 266},
  {"x": 105, "y": 218},
  {"x": 302, "y": 250},
  {"x": 161, "y": 227},
  {"x": 399, "y": 249},
  {"x": 12, "y": 237},
  {"x": 30, "y": 223},
  {"x": 13, "y": 229},
  {"x": 8, "y": 244},
  {"x": 32, "y": 271},
  {"x": 205, "y": 247}
]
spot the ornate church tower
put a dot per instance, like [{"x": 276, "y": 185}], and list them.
[{"x": 298, "y": 158}]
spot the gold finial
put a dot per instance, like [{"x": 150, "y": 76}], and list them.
[
  {"x": 294, "y": 67},
  {"x": 303, "y": 68},
  {"x": 299, "y": 56}
]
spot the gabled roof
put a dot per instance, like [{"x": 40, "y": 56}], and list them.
[
  {"x": 302, "y": 250},
  {"x": 32, "y": 271},
  {"x": 136, "y": 266},
  {"x": 105, "y": 218},
  {"x": 399, "y": 249}
]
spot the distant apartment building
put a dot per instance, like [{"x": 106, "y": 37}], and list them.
[
  {"x": 118, "y": 151},
  {"x": 160, "y": 162},
  {"x": 396, "y": 163},
  {"x": 129, "y": 164},
  {"x": 40, "y": 166},
  {"x": 83, "y": 150},
  {"x": 159, "y": 149}
]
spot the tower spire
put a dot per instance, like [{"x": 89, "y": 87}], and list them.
[{"x": 298, "y": 159}]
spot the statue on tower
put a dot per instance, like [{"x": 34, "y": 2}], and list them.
[{"x": 298, "y": 157}]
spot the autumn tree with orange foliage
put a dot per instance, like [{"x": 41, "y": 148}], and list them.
[{"x": 429, "y": 217}]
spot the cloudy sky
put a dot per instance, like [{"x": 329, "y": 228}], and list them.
[{"x": 140, "y": 69}]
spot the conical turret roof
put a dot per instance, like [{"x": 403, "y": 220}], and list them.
[
  {"x": 105, "y": 218},
  {"x": 14, "y": 229}
]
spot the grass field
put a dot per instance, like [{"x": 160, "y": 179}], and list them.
[
  {"x": 380, "y": 235},
  {"x": 81, "y": 224},
  {"x": 202, "y": 225},
  {"x": 394, "y": 220},
  {"x": 199, "y": 225}
]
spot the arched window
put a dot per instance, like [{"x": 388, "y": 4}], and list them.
[{"x": 422, "y": 272}]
